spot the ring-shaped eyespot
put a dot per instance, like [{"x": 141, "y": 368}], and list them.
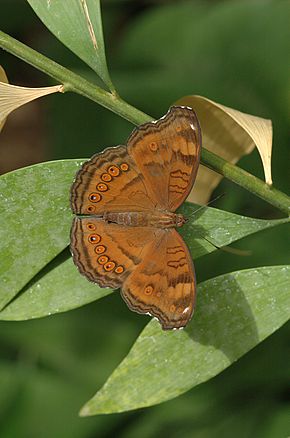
[
  {"x": 94, "y": 238},
  {"x": 119, "y": 269},
  {"x": 153, "y": 146},
  {"x": 109, "y": 266},
  {"x": 124, "y": 167},
  {"x": 148, "y": 290},
  {"x": 103, "y": 259},
  {"x": 91, "y": 226},
  {"x": 100, "y": 249},
  {"x": 178, "y": 129},
  {"x": 106, "y": 177},
  {"x": 114, "y": 170},
  {"x": 102, "y": 187},
  {"x": 90, "y": 209},
  {"x": 95, "y": 197}
]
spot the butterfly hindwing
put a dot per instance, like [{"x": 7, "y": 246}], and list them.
[
  {"x": 152, "y": 267},
  {"x": 163, "y": 283},
  {"x": 107, "y": 253}
]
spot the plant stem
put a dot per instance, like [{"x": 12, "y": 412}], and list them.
[
  {"x": 246, "y": 180},
  {"x": 75, "y": 83},
  {"x": 71, "y": 81}
]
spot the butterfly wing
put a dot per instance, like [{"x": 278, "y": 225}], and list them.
[
  {"x": 107, "y": 253},
  {"x": 163, "y": 284},
  {"x": 167, "y": 153},
  {"x": 152, "y": 266},
  {"x": 110, "y": 181}
]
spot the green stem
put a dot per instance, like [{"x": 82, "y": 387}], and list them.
[
  {"x": 246, "y": 180},
  {"x": 72, "y": 81},
  {"x": 75, "y": 83}
]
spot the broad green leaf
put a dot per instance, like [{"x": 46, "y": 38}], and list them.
[
  {"x": 78, "y": 25},
  {"x": 235, "y": 312},
  {"x": 35, "y": 222},
  {"x": 59, "y": 289}
]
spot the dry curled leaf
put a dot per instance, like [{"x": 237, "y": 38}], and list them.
[
  {"x": 230, "y": 134},
  {"x": 4, "y": 79},
  {"x": 12, "y": 96}
]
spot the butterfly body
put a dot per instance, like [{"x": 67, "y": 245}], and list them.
[
  {"x": 158, "y": 219},
  {"x": 127, "y": 197}
]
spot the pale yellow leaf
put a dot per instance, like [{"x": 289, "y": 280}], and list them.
[
  {"x": 12, "y": 97},
  {"x": 230, "y": 134},
  {"x": 3, "y": 78}
]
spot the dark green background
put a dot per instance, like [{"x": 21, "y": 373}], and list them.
[{"x": 234, "y": 52}]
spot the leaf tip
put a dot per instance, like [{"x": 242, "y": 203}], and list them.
[{"x": 85, "y": 411}]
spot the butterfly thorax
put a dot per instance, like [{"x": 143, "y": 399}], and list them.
[{"x": 157, "y": 219}]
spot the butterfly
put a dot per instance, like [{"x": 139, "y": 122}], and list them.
[{"x": 124, "y": 232}]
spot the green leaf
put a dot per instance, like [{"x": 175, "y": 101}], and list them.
[
  {"x": 78, "y": 25},
  {"x": 58, "y": 289},
  {"x": 35, "y": 222},
  {"x": 234, "y": 313}
]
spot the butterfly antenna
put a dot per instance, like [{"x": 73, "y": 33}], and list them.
[
  {"x": 228, "y": 249},
  {"x": 206, "y": 205}
]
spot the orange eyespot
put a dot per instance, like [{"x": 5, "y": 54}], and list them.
[
  {"x": 102, "y": 187},
  {"x": 172, "y": 308},
  {"x": 148, "y": 290},
  {"x": 109, "y": 266},
  {"x": 178, "y": 128},
  {"x": 94, "y": 238},
  {"x": 95, "y": 197},
  {"x": 100, "y": 249},
  {"x": 90, "y": 209},
  {"x": 119, "y": 269},
  {"x": 124, "y": 167},
  {"x": 106, "y": 177},
  {"x": 153, "y": 146},
  {"x": 91, "y": 226},
  {"x": 103, "y": 259},
  {"x": 114, "y": 171}
]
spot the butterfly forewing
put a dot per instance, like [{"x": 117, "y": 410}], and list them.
[
  {"x": 167, "y": 153},
  {"x": 110, "y": 182}
]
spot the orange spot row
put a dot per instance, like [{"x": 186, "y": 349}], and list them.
[
  {"x": 103, "y": 260},
  {"x": 112, "y": 171},
  {"x": 109, "y": 265}
]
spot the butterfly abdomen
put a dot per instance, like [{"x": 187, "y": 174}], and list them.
[{"x": 158, "y": 219}]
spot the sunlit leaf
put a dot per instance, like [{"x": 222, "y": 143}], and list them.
[
  {"x": 35, "y": 221},
  {"x": 78, "y": 25},
  {"x": 230, "y": 134},
  {"x": 12, "y": 97},
  {"x": 235, "y": 312}
]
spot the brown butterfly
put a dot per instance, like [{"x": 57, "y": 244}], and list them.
[{"x": 126, "y": 236}]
